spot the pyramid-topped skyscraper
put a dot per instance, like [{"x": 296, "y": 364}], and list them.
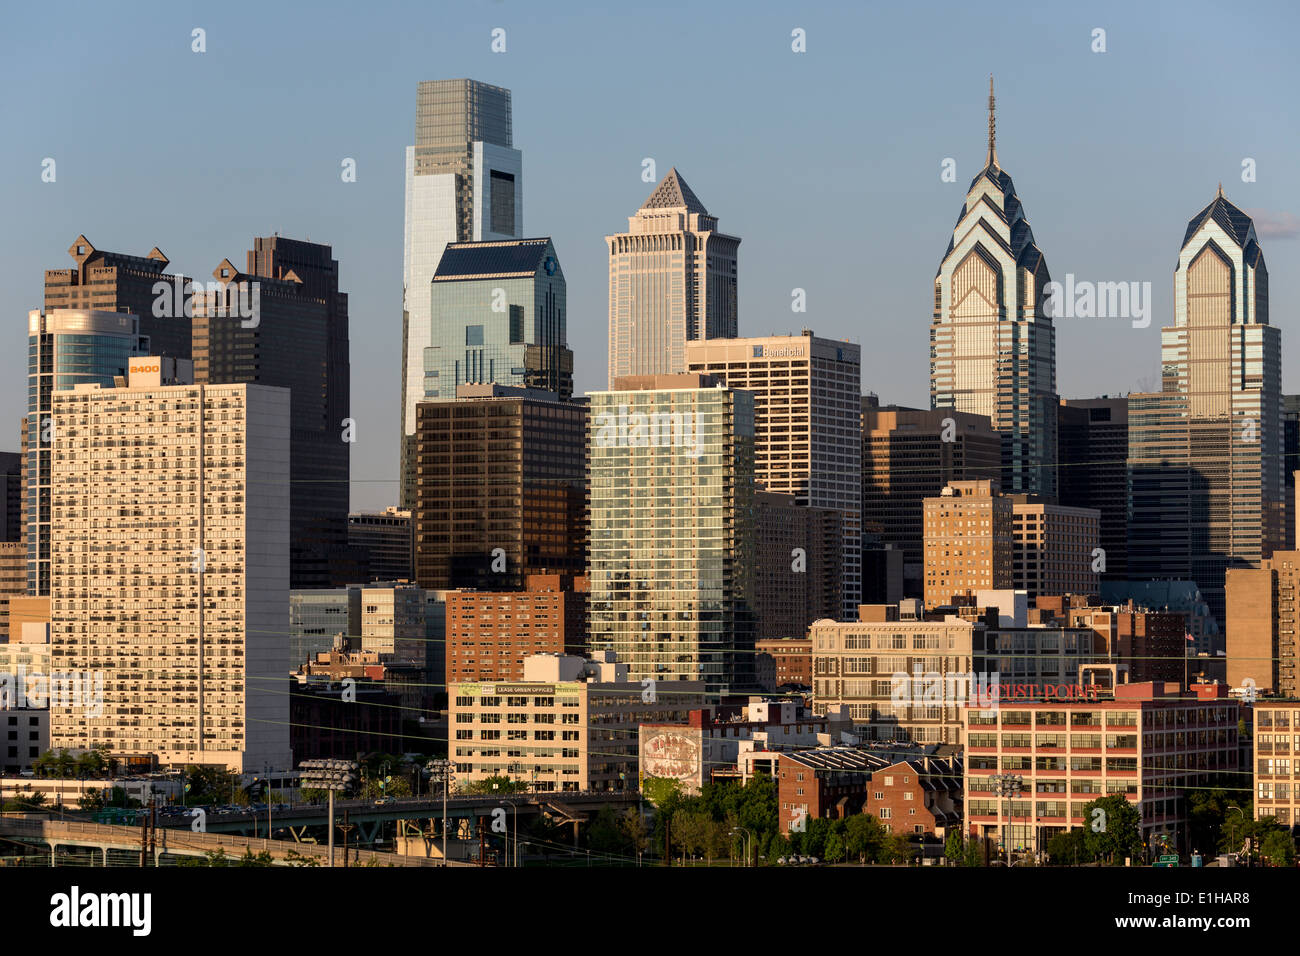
[
  {"x": 672, "y": 280},
  {"x": 992, "y": 343}
]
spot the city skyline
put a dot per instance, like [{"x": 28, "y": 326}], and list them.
[
  {"x": 887, "y": 166},
  {"x": 837, "y": 551}
]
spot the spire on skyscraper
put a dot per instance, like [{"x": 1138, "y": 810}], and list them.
[{"x": 993, "y": 137}]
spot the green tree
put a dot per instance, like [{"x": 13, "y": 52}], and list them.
[
  {"x": 658, "y": 790},
  {"x": 1278, "y": 848},
  {"x": 636, "y": 836},
  {"x": 865, "y": 837},
  {"x": 1069, "y": 848},
  {"x": 261, "y": 859},
  {"x": 954, "y": 847},
  {"x": 835, "y": 848},
  {"x": 604, "y": 835},
  {"x": 212, "y": 785},
  {"x": 497, "y": 784},
  {"x": 1115, "y": 833},
  {"x": 898, "y": 849},
  {"x": 775, "y": 847}
]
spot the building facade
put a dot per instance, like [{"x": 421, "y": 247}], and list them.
[
  {"x": 1092, "y": 470},
  {"x": 1148, "y": 745},
  {"x": 464, "y": 183},
  {"x": 969, "y": 541},
  {"x": 570, "y": 724},
  {"x": 498, "y": 316},
  {"x": 490, "y": 634},
  {"x": 317, "y": 617},
  {"x": 1262, "y": 622},
  {"x": 1277, "y": 791},
  {"x": 500, "y": 489},
  {"x": 672, "y": 529},
  {"x": 387, "y": 538},
  {"x": 64, "y": 348},
  {"x": 104, "y": 281},
  {"x": 799, "y": 575},
  {"x": 283, "y": 322},
  {"x": 170, "y": 570},
  {"x": 909, "y": 455},
  {"x": 992, "y": 342},
  {"x": 1055, "y": 547},
  {"x": 1205, "y": 453},
  {"x": 672, "y": 280},
  {"x": 807, "y": 426},
  {"x": 907, "y": 680},
  {"x": 791, "y": 661}
]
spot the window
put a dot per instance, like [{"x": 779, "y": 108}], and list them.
[{"x": 473, "y": 335}]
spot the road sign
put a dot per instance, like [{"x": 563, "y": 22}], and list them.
[{"x": 1168, "y": 860}]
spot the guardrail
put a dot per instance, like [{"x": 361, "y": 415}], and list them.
[{"x": 185, "y": 842}]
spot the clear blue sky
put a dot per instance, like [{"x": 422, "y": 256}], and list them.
[{"x": 826, "y": 163}]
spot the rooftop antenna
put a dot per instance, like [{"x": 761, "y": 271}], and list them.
[{"x": 993, "y": 134}]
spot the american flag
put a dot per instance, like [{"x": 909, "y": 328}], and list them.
[{"x": 1188, "y": 635}]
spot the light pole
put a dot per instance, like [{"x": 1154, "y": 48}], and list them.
[
  {"x": 1006, "y": 786},
  {"x": 1243, "y": 817},
  {"x": 330, "y": 775},
  {"x": 440, "y": 770},
  {"x": 515, "y": 822},
  {"x": 745, "y": 843}
]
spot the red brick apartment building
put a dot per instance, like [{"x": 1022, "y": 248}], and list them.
[
  {"x": 920, "y": 796},
  {"x": 791, "y": 661},
  {"x": 917, "y": 795},
  {"x": 1149, "y": 744},
  {"x": 489, "y": 633}
]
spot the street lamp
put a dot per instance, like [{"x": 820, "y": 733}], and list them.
[
  {"x": 1006, "y": 786},
  {"x": 330, "y": 775},
  {"x": 440, "y": 771},
  {"x": 1243, "y": 818},
  {"x": 745, "y": 843},
  {"x": 515, "y": 815}
]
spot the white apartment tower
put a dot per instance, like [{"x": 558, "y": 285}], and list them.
[{"x": 170, "y": 569}]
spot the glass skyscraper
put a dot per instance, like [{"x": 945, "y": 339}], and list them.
[
  {"x": 464, "y": 183},
  {"x": 673, "y": 529},
  {"x": 498, "y": 315},
  {"x": 992, "y": 345},
  {"x": 65, "y": 347}
]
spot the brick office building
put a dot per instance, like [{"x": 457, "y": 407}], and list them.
[{"x": 1148, "y": 744}]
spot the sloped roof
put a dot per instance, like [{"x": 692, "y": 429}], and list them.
[
  {"x": 673, "y": 193},
  {"x": 504, "y": 259},
  {"x": 1233, "y": 221}
]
